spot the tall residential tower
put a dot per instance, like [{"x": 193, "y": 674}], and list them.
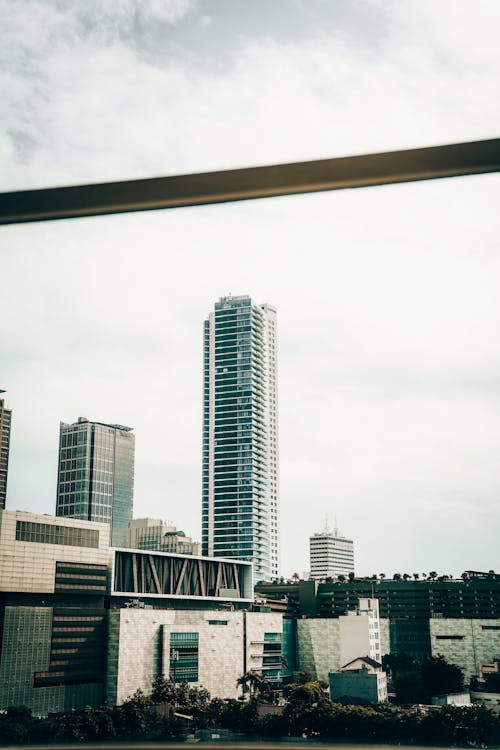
[
  {"x": 95, "y": 481},
  {"x": 240, "y": 513},
  {"x": 5, "y": 424}
]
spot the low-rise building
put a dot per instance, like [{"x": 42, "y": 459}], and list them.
[{"x": 360, "y": 679}]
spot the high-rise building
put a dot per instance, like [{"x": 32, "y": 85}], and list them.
[
  {"x": 5, "y": 425},
  {"x": 240, "y": 496},
  {"x": 331, "y": 554},
  {"x": 95, "y": 479},
  {"x": 157, "y": 535}
]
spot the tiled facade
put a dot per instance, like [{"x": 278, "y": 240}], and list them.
[
  {"x": 385, "y": 638},
  {"x": 467, "y": 643},
  {"x": 139, "y": 647},
  {"x": 31, "y": 566},
  {"x": 326, "y": 644}
]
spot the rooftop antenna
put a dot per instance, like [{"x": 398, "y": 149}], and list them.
[
  {"x": 335, "y": 527},
  {"x": 327, "y": 527}
]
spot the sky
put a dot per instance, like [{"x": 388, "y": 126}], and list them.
[{"x": 388, "y": 304}]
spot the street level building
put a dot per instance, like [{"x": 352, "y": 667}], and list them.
[
  {"x": 95, "y": 480},
  {"x": 362, "y": 678},
  {"x": 331, "y": 554},
  {"x": 5, "y": 426},
  {"x": 155, "y": 534},
  {"x": 240, "y": 492}
]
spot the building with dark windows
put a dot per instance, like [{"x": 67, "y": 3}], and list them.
[
  {"x": 95, "y": 480},
  {"x": 240, "y": 494},
  {"x": 5, "y": 426},
  {"x": 420, "y": 618}
]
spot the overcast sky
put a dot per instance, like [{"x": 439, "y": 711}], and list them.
[{"x": 388, "y": 298}]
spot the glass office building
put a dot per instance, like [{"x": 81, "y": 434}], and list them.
[
  {"x": 240, "y": 495},
  {"x": 5, "y": 424},
  {"x": 96, "y": 475}
]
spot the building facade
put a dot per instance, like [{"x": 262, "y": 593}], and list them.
[
  {"x": 54, "y": 575},
  {"x": 326, "y": 645},
  {"x": 157, "y": 535},
  {"x": 361, "y": 678},
  {"x": 207, "y": 648},
  {"x": 5, "y": 427},
  {"x": 331, "y": 554},
  {"x": 240, "y": 492},
  {"x": 95, "y": 480},
  {"x": 82, "y": 623}
]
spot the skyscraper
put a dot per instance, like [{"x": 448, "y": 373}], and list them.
[
  {"x": 240, "y": 495},
  {"x": 5, "y": 425},
  {"x": 331, "y": 554},
  {"x": 95, "y": 479}
]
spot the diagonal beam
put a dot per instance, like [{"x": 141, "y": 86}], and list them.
[
  {"x": 154, "y": 574},
  {"x": 430, "y": 163},
  {"x": 202, "y": 578},
  {"x": 181, "y": 575}
]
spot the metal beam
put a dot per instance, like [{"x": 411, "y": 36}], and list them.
[{"x": 458, "y": 159}]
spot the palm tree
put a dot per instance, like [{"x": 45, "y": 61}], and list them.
[
  {"x": 253, "y": 683},
  {"x": 416, "y": 576}
]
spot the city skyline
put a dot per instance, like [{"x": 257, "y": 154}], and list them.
[{"x": 387, "y": 297}]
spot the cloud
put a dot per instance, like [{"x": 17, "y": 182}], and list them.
[{"x": 387, "y": 298}]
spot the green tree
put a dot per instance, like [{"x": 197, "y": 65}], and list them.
[{"x": 440, "y": 677}]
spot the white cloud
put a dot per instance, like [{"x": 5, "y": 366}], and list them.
[{"x": 387, "y": 298}]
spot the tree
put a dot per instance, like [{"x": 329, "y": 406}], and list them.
[
  {"x": 416, "y": 576},
  {"x": 351, "y": 576},
  {"x": 440, "y": 677},
  {"x": 254, "y": 683},
  {"x": 396, "y": 577}
]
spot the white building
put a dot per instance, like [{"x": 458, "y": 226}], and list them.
[
  {"x": 213, "y": 649},
  {"x": 240, "y": 494},
  {"x": 159, "y": 536},
  {"x": 331, "y": 554}
]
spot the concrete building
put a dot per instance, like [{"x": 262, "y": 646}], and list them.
[
  {"x": 155, "y": 534},
  {"x": 407, "y": 607},
  {"x": 95, "y": 480},
  {"x": 212, "y": 649},
  {"x": 83, "y": 623},
  {"x": 240, "y": 492},
  {"x": 53, "y": 579},
  {"x": 326, "y": 645},
  {"x": 331, "y": 554},
  {"x": 5, "y": 427},
  {"x": 361, "y": 678},
  {"x": 468, "y": 643}
]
